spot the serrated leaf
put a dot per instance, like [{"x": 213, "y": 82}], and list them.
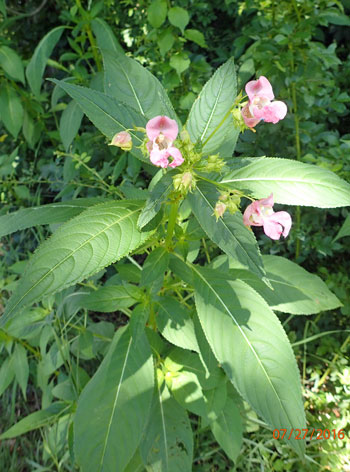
[
  {"x": 154, "y": 266},
  {"x": 112, "y": 298},
  {"x": 78, "y": 249},
  {"x": 11, "y": 110},
  {"x": 229, "y": 232},
  {"x": 70, "y": 123},
  {"x": 188, "y": 392},
  {"x": 108, "y": 114},
  {"x": 36, "y": 420},
  {"x": 45, "y": 214},
  {"x": 291, "y": 182},
  {"x": 243, "y": 331},
  {"x": 131, "y": 83},
  {"x": 205, "y": 122},
  {"x": 114, "y": 406},
  {"x": 43, "y": 51},
  {"x": 158, "y": 196},
  {"x": 179, "y": 17},
  {"x": 175, "y": 323},
  {"x": 11, "y": 63},
  {"x": 105, "y": 36},
  {"x": 168, "y": 442}
]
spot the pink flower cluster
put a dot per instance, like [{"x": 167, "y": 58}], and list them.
[
  {"x": 260, "y": 213},
  {"x": 260, "y": 105},
  {"x": 162, "y": 132}
]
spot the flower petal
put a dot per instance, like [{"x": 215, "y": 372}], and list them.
[
  {"x": 176, "y": 155},
  {"x": 159, "y": 158},
  {"x": 272, "y": 229},
  {"x": 248, "y": 118},
  {"x": 274, "y": 112},
  {"x": 284, "y": 219},
  {"x": 260, "y": 87},
  {"x": 252, "y": 215},
  {"x": 164, "y": 125}
]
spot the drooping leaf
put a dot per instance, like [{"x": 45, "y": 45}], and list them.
[
  {"x": 168, "y": 442},
  {"x": 108, "y": 114},
  {"x": 291, "y": 182},
  {"x": 179, "y": 17},
  {"x": 196, "y": 36},
  {"x": 21, "y": 367},
  {"x": 154, "y": 266},
  {"x": 11, "y": 109},
  {"x": 11, "y": 63},
  {"x": 344, "y": 230},
  {"x": 36, "y": 420},
  {"x": 156, "y": 13},
  {"x": 112, "y": 298},
  {"x": 78, "y": 249},
  {"x": 45, "y": 214},
  {"x": 131, "y": 83},
  {"x": 209, "y": 119},
  {"x": 243, "y": 331},
  {"x": 105, "y": 36},
  {"x": 114, "y": 406},
  {"x": 43, "y": 51},
  {"x": 70, "y": 123},
  {"x": 228, "y": 232}
]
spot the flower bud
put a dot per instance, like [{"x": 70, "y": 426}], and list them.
[
  {"x": 122, "y": 140},
  {"x": 219, "y": 210}
]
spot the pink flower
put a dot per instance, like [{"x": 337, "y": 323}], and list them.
[
  {"x": 260, "y": 213},
  {"x": 162, "y": 132},
  {"x": 260, "y": 105},
  {"x": 122, "y": 140}
]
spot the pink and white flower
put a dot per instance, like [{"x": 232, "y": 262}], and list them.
[
  {"x": 260, "y": 105},
  {"x": 260, "y": 213},
  {"x": 162, "y": 132}
]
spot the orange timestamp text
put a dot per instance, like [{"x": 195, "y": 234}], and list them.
[{"x": 308, "y": 433}]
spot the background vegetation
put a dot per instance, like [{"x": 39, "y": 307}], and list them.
[{"x": 49, "y": 153}]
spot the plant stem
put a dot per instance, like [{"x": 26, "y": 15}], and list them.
[
  {"x": 218, "y": 126},
  {"x": 325, "y": 375},
  {"x": 171, "y": 224}
]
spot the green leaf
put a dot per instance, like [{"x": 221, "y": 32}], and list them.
[
  {"x": 196, "y": 36},
  {"x": 344, "y": 230},
  {"x": 179, "y": 17},
  {"x": 229, "y": 232},
  {"x": 105, "y": 36},
  {"x": 12, "y": 64},
  {"x": 188, "y": 392},
  {"x": 107, "y": 114},
  {"x": 131, "y": 83},
  {"x": 291, "y": 182},
  {"x": 209, "y": 120},
  {"x": 175, "y": 323},
  {"x": 11, "y": 110},
  {"x": 180, "y": 62},
  {"x": 21, "y": 367},
  {"x": 215, "y": 399},
  {"x": 165, "y": 42},
  {"x": 227, "y": 429},
  {"x": 112, "y": 298},
  {"x": 158, "y": 196},
  {"x": 7, "y": 374},
  {"x": 31, "y": 130},
  {"x": 44, "y": 215},
  {"x": 243, "y": 331},
  {"x": 168, "y": 442},
  {"x": 3, "y": 8},
  {"x": 81, "y": 247},
  {"x": 154, "y": 266},
  {"x": 114, "y": 406},
  {"x": 334, "y": 17},
  {"x": 37, "y": 420},
  {"x": 70, "y": 123},
  {"x": 156, "y": 13},
  {"x": 37, "y": 64}
]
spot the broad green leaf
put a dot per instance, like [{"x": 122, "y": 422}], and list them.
[
  {"x": 243, "y": 331},
  {"x": 344, "y": 230},
  {"x": 138, "y": 319},
  {"x": 105, "y": 36},
  {"x": 154, "y": 266},
  {"x": 228, "y": 232},
  {"x": 7, "y": 374},
  {"x": 188, "y": 392},
  {"x": 70, "y": 123},
  {"x": 156, "y": 13},
  {"x": 44, "y": 215},
  {"x": 196, "y": 36},
  {"x": 37, "y": 420},
  {"x": 108, "y": 114},
  {"x": 209, "y": 120},
  {"x": 180, "y": 62},
  {"x": 291, "y": 182},
  {"x": 131, "y": 83},
  {"x": 11, "y": 63},
  {"x": 31, "y": 130},
  {"x": 228, "y": 146},
  {"x": 165, "y": 41},
  {"x": 11, "y": 110},
  {"x": 112, "y": 298},
  {"x": 175, "y": 323},
  {"x": 37, "y": 64},
  {"x": 78, "y": 249},
  {"x": 3, "y": 8},
  {"x": 335, "y": 17},
  {"x": 114, "y": 406},
  {"x": 167, "y": 445},
  {"x": 21, "y": 367},
  {"x": 159, "y": 194},
  {"x": 179, "y": 17},
  {"x": 227, "y": 429}
]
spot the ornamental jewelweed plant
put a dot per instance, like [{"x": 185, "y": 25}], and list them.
[{"x": 200, "y": 336}]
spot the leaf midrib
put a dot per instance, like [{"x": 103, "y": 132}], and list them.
[{"x": 132, "y": 87}]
